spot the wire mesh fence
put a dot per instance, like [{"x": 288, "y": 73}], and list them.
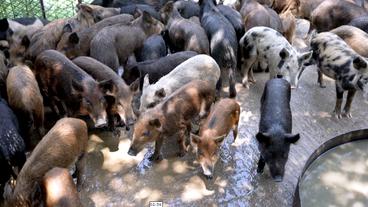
[{"x": 49, "y": 9}]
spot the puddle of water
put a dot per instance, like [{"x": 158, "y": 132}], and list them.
[{"x": 339, "y": 177}]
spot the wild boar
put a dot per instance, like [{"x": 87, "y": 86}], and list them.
[
  {"x": 223, "y": 42},
  {"x": 154, "y": 47},
  {"x": 234, "y": 18},
  {"x": 270, "y": 49},
  {"x": 12, "y": 147},
  {"x": 97, "y": 13},
  {"x": 331, "y": 14},
  {"x": 254, "y": 14},
  {"x": 20, "y": 26},
  {"x": 132, "y": 8},
  {"x": 172, "y": 116},
  {"x": 59, "y": 189},
  {"x": 275, "y": 126},
  {"x": 199, "y": 67},
  {"x": 122, "y": 93},
  {"x": 183, "y": 34},
  {"x": 69, "y": 89},
  {"x": 25, "y": 99},
  {"x": 155, "y": 68},
  {"x": 338, "y": 61},
  {"x": 113, "y": 45},
  {"x": 223, "y": 118},
  {"x": 356, "y": 38},
  {"x": 187, "y": 9},
  {"x": 77, "y": 43},
  {"x": 60, "y": 147}
]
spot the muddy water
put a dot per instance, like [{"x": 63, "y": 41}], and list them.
[
  {"x": 339, "y": 177},
  {"x": 116, "y": 179}
]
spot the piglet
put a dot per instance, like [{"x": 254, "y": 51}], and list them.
[
  {"x": 274, "y": 136},
  {"x": 223, "y": 117}
]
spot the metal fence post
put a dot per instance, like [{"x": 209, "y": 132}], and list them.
[{"x": 43, "y": 9}]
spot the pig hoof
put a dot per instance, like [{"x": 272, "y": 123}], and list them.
[
  {"x": 246, "y": 85},
  {"x": 347, "y": 114},
  {"x": 155, "y": 157},
  {"x": 338, "y": 116},
  {"x": 322, "y": 85}
]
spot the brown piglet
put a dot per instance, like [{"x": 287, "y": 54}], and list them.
[
  {"x": 223, "y": 117},
  {"x": 172, "y": 116},
  {"x": 60, "y": 147}
]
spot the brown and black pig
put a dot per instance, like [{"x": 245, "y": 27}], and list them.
[
  {"x": 77, "y": 43},
  {"x": 274, "y": 136},
  {"x": 69, "y": 89},
  {"x": 223, "y": 118},
  {"x": 25, "y": 99},
  {"x": 183, "y": 34},
  {"x": 121, "y": 93},
  {"x": 113, "y": 45},
  {"x": 172, "y": 116},
  {"x": 60, "y": 147}
]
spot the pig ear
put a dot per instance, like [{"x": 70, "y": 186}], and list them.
[
  {"x": 137, "y": 13},
  {"x": 4, "y": 24},
  {"x": 74, "y": 38},
  {"x": 359, "y": 63},
  {"x": 263, "y": 138},
  {"x": 155, "y": 123},
  {"x": 134, "y": 86},
  {"x": 86, "y": 8},
  {"x": 291, "y": 138},
  {"x": 195, "y": 138},
  {"x": 25, "y": 41},
  {"x": 146, "y": 81},
  {"x": 67, "y": 28},
  {"x": 284, "y": 53},
  {"x": 220, "y": 139},
  {"x": 305, "y": 57},
  {"x": 147, "y": 17},
  {"x": 77, "y": 87},
  {"x": 160, "y": 93},
  {"x": 107, "y": 86}
]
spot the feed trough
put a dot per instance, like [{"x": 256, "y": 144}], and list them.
[{"x": 336, "y": 173}]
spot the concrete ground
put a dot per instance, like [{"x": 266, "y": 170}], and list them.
[{"x": 116, "y": 179}]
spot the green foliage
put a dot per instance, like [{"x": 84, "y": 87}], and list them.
[{"x": 54, "y": 9}]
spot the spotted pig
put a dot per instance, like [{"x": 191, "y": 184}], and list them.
[
  {"x": 270, "y": 49},
  {"x": 338, "y": 61}
]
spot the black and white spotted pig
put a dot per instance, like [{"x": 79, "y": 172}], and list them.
[
  {"x": 338, "y": 61},
  {"x": 269, "y": 48}
]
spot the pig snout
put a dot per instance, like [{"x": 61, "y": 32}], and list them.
[
  {"x": 132, "y": 151},
  {"x": 277, "y": 178},
  {"x": 207, "y": 171},
  {"x": 100, "y": 123}
]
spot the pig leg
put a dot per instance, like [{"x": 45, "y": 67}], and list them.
[
  {"x": 80, "y": 170},
  {"x": 261, "y": 165},
  {"x": 218, "y": 87},
  {"x": 232, "y": 90},
  {"x": 339, "y": 96},
  {"x": 247, "y": 65},
  {"x": 349, "y": 100},
  {"x": 320, "y": 79},
  {"x": 181, "y": 139},
  {"x": 235, "y": 129},
  {"x": 156, "y": 156}
]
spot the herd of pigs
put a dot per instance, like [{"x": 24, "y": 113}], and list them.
[{"x": 175, "y": 56}]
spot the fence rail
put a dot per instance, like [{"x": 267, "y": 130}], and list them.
[{"x": 49, "y": 9}]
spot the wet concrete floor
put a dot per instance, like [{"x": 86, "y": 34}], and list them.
[{"x": 116, "y": 179}]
